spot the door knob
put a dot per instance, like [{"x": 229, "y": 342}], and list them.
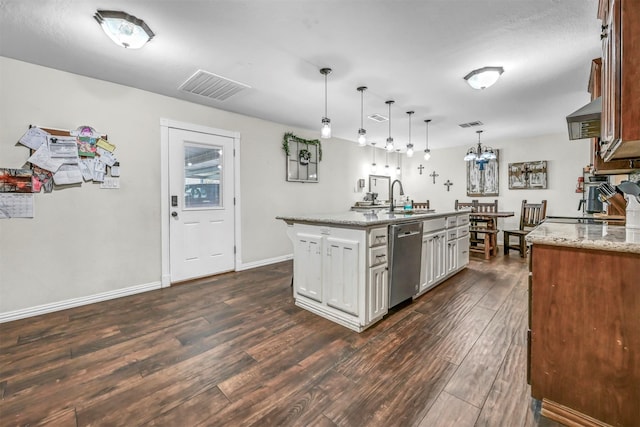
[{"x": 174, "y": 214}]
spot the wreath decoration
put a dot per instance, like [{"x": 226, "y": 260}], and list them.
[{"x": 304, "y": 154}]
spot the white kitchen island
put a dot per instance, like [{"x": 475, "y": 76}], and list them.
[{"x": 340, "y": 261}]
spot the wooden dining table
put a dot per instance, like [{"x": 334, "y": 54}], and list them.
[{"x": 491, "y": 220}]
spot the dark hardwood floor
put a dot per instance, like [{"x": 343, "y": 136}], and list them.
[{"x": 234, "y": 350}]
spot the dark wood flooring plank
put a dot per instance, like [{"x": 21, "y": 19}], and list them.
[{"x": 197, "y": 409}]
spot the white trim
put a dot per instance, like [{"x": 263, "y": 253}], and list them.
[
  {"x": 262, "y": 263},
  {"x": 76, "y": 302},
  {"x": 165, "y": 198}
]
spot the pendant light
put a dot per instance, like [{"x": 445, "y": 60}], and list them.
[
  {"x": 362, "y": 134},
  {"x": 480, "y": 154},
  {"x": 427, "y": 152},
  {"x": 410, "y": 145},
  {"x": 387, "y": 170},
  {"x": 389, "y": 145},
  {"x": 325, "y": 132},
  {"x": 374, "y": 167},
  {"x": 398, "y": 163}
]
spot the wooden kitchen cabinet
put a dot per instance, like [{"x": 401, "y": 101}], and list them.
[
  {"x": 600, "y": 166},
  {"x": 585, "y": 334},
  {"x": 620, "y": 85}
]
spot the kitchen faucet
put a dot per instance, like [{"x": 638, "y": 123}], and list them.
[{"x": 391, "y": 207}]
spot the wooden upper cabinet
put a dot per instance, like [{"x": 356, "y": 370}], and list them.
[{"x": 620, "y": 85}]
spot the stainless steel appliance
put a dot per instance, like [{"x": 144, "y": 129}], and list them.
[{"x": 405, "y": 258}]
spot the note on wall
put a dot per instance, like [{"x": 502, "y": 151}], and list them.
[{"x": 15, "y": 205}]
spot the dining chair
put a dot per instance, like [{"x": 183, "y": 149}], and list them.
[
  {"x": 421, "y": 205},
  {"x": 531, "y": 214},
  {"x": 460, "y": 205},
  {"x": 483, "y": 231}
]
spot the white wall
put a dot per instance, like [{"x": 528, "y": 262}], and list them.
[
  {"x": 565, "y": 160},
  {"x": 85, "y": 241}
]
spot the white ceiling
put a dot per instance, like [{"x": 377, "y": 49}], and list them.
[{"x": 415, "y": 52}]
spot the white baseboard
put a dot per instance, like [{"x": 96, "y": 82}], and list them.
[
  {"x": 262, "y": 263},
  {"x": 76, "y": 302}
]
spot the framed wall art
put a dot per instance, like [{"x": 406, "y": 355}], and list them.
[
  {"x": 528, "y": 175},
  {"x": 303, "y": 156},
  {"x": 482, "y": 177}
]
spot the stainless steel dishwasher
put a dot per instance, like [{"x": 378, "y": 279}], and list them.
[{"x": 404, "y": 263}]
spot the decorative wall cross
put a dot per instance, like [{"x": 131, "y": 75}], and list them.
[
  {"x": 448, "y": 184},
  {"x": 420, "y": 168},
  {"x": 433, "y": 175}
]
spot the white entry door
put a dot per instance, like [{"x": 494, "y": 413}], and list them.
[{"x": 201, "y": 194}]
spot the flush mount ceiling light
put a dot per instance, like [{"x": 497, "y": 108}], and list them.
[
  {"x": 125, "y": 30},
  {"x": 410, "y": 145},
  {"x": 427, "y": 152},
  {"x": 389, "y": 145},
  {"x": 484, "y": 77},
  {"x": 362, "y": 134},
  {"x": 480, "y": 155},
  {"x": 325, "y": 131}
]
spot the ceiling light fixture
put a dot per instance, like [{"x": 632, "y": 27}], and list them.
[
  {"x": 389, "y": 145},
  {"x": 427, "y": 152},
  {"x": 398, "y": 163},
  {"x": 410, "y": 145},
  {"x": 125, "y": 30},
  {"x": 479, "y": 155},
  {"x": 362, "y": 134},
  {"x": 374, "y": 167},
  {"x": 484, "y": 77},
  {"x": 387, "y": 170},
  {"x": 325, "y": 132}
]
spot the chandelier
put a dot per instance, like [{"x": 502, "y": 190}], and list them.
[{"x": 479, "y": 154}]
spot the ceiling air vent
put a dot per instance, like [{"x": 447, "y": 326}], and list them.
[
  {"x": 212, "y": 86},
  {"x": 471, "y": 124},
  {"x": 378, "y": 118}
]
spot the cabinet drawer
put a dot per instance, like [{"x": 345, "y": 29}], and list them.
[
  {"x": 433, "y": 224},
  {"x": 462, "y": 220},
  {"x": 463, "y": 232},
  {"x": 378, "y": 237},
  {"x": 377, "y": 256},
  {"x": 452, "y": 221},
  {"x": 452, "y": 234}
]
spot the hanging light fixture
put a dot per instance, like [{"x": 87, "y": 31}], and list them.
[
  {"x": 484, "y": 77},
  {"x": 374, "y": 167},
  {"x": 362, "y": 134},
  {"x": 387, "y": 170},
  {"x": 123, "y": 29},
  {"x": 398, "y": 162},
  {"x": 325, "y": 132},
  {"x": 427, "y": 152},
  {"x": 410, "y": 145},
  {"x": 480, "y": 155},
  {"x": 389, "y": 145}
]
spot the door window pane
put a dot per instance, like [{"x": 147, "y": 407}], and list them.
[{"x": 202, "y": 176}]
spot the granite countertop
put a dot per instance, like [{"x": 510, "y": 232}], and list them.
[
  {"x": 587, "y": 236},
  {"x": 366, "y": 219}
]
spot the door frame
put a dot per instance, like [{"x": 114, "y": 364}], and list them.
[{"x": 165, "y": 125}]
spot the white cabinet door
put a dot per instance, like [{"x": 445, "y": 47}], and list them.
[
  {"x": 341, "y": 269},
  {"x": 440, "y": 262},
  {"x": 452, "y": 256},
  {"x": 307, "y": 266},
  {"x": 463, "y": 251},
  {"x": 377, "y": 292}
]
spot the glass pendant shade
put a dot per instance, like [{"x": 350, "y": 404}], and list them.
[
  {"x": 409, "y": 150},
  {"x": 389, "y": 145},
  {"x": 427, "y": 152},
  {"x": 325, "y": 130},
  {"x": 483, "y": 78},
  {"x": 123, "y": 29},
  {"x": 374, "y": 167},
  {"x": 362, "y": 133}
]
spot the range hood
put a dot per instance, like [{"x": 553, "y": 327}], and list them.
[{"x": 585, "y": 122}]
